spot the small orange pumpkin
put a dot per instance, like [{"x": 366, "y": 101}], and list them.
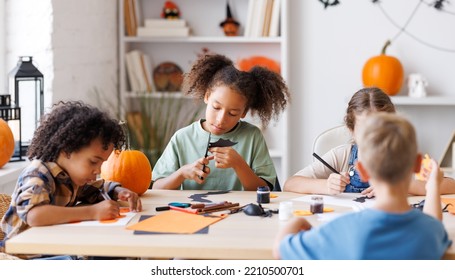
[
  {"x": 131, "y": 168},
  {"x": 383, "y": 71},
  {"x": 6, "y": 143}
]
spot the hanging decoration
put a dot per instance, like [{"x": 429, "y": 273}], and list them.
[
  {"x": 328, "y": 3},
  {"x": 439, "y": 5}
]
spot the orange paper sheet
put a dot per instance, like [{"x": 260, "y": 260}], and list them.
[
  {"x": 175, "y": 222},
  {"x": 309, "y": 213},
  {"x": 450, "y": 208}
]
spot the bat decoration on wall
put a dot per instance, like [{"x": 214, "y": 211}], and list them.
[
  {"x": 327, "y": 3},
  {"x": 439, "y": 4}
]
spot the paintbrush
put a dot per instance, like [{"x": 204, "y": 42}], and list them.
[{"x": 325, "y": 163}]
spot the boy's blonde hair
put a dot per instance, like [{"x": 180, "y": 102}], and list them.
[{"x": 387, "y": 147}]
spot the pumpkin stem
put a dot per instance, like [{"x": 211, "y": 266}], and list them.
[
  {"x": 387, "y": 43},
  {"x": 127, "y": 135}
]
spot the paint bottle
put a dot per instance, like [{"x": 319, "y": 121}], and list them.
[
  {"x": 317, "y": 204},
  {"x": 263, "y": 194},
  {"x": 285, "y": 210}
]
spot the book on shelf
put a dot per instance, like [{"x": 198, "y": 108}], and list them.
[
  {"x": 274, "y": 28},
  {"x": 163, "y": 31},
  {"x": 138, "y": 71},
  {"x": 161, "y": 22},
  {"x": 267, "y": 17},
  {"x": 249, "y": 18},
  {"x": 145, "y": 63},
  {"x": 262, "y": 18},
  {"x": 131, "y": 17}
]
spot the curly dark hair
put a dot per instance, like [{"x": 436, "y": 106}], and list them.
[
  {"x": 266, "y": 92},
  {"x": 70, "y": 126},
  {"x": 370, "y": 99}
]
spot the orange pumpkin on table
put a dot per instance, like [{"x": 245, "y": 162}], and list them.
[
  {"x": 131, "y": 168},
  {"x": 383, "y": 71},
  {"x": 6, "y": 143}
]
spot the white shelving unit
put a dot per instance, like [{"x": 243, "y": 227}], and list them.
[
  {"x": 423, "y": 101},
  {"x": 203, "y": 17},
  {"x": 417, "y": 110}
]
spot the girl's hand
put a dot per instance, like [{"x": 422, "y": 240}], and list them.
[
  {"x": 225, "y": 157},
  {"x": 336, "y": 183},
  {"x": 434, "y": 177},
  {"x": 133, "y": 199},
  {"x": 369, "y": 192},
  {"x": 196, "y": 171},
  {"x": 105, "y": 210}
]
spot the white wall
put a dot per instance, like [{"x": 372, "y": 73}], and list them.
[
  {"x": 85, "y": 43},
  {"x": 74, "y": 45},
  {"x": 329, "y": 48},
  {"x": 28, "y": 33}
]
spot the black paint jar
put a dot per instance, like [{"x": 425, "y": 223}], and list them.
[
  {"x": 263, "y": 194},
  {"x": 317, "y": 204}
]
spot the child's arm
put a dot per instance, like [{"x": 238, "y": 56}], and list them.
[
  {"x": 133, "y": 199},
  {"x": 447, "y": 187},
  {"x": 293, "y": 227},
  {"x": 191, "y": 171},
  {"x": 44, "y": 215},
  {"x": 227, "y": 157},
  {"x": 432, "y": 204},
  {"x": 335, "y": 184}
]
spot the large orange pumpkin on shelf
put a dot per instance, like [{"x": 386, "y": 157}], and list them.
[
  {"x": 131, "y": 168},
  {"x": 6, "y": 143},
  {"x": 383, "y": 71}
]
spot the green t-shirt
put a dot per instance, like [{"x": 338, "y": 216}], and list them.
[{"x": 189, "y": 144}]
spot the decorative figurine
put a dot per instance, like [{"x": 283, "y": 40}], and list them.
[
  {"x": 230, "y": 25},
  {"x": 170, "y": 10},
  {"x": 417, "y": 84}
]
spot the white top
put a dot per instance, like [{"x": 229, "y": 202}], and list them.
[{"x": 337, "y": 157}]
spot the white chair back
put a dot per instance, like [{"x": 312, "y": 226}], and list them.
[{"x": 331, "y": 138}]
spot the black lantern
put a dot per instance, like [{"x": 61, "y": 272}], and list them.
[
  {"x": 26, "y": 87},
  {"x": 12, "y": 115}
]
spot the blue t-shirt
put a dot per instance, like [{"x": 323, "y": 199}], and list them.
[{"x": 370, "y": 234}]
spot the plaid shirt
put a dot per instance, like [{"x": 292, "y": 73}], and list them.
[{"x": 43, "y": 183}]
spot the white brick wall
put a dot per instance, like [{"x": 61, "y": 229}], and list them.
[{"x": 74, "y": 44}]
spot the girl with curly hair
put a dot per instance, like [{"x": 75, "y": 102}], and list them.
[
  {"x": 66, "y": 153},
  {"x": 229, "y": 94}
]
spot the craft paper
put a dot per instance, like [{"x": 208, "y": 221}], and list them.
[
  {"x": 199, "y": 197},
  {"x": 353, "y": 200},
  {"x": 143, "y": 217},
  {"x": 450, "y": 208},
  {"x": 222, "y": 143},
  {"x": 175, "y": 222},
  {"x": 122, "y": 220}
]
